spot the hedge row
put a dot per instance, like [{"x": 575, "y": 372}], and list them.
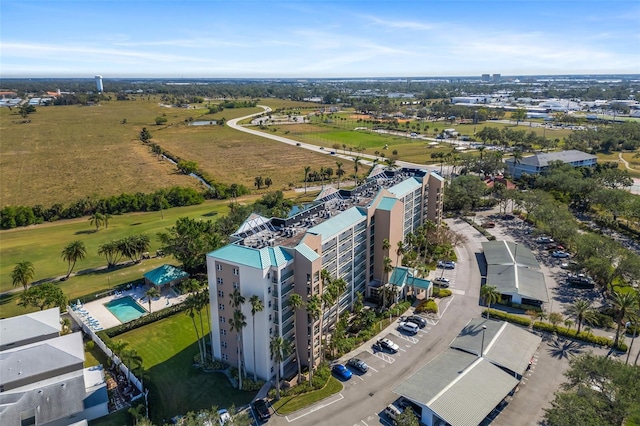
[
  {"x": 146, "y": 319},
  {"x": 584, "y": 336},
  {"x": 441, "y": 292},
  {"x": 428, "y": 306},
  {"x": 480, "y": 229},
  {"x": 507, "y": 317}
]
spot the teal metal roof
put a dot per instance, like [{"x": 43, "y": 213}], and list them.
[
  {"x": 306, "y": 251},
  {"x": 437, "y": 176},
  {"x": 387, "y": 203},
  {"x": 165, "y": 274},
  {"x": 338, "y": 223},
  {"x": 249, "y": 256},
  {"x": 399, "y": 276},
  {"x": 405, "y": 187},
  {"x": 278, "y": 257},
  {"x": 419, "y": 283}
]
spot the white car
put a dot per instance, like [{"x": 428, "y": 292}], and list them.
[
  {"x": 224, "y": 416},
  {"x": 408, "y": 327},
  {"x": 441, "y": 282},
  {"x": 388, "y": 345}
]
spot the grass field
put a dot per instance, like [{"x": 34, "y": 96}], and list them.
[{"x": 167, "y": 348}]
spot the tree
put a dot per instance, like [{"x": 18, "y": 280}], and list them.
[
  {"x": 258, "y": 181},
  {"x": 22, "y": 274},
  {"x": 314, "y": 311},
  {"x": 307, "y": 169},
  {"x": 145, "y": 135},
  {"x": 187, "y": 167},
  {"x": 151, "y": 293},
  {"x": 268, "y": 182},
  {"x": 111, "y": 252},
  {"x": 519, "y": 115},
  {"x": 189, "y": 241},
  {"x": 160, "y": 120},
  {"x": 407, "y": 418},
  {"x": 192, "y": 305},
  {"x": 599, "y": 391},
  {"x": 387, "y": 267},
  {"x": 489, "y": 294},
  {"x": 132, "y": 360},
  {"x": 339, "y": 171},
  {"x": 296, "y": 303},
  {"x": 582, "y": 311},
  {"x": 555, "y": 318},
  {"x": 73, "y": 252},
  {"x": 43, "y": 296},
  {"x": 279, "y": 349},
  {"x": 96, "y": 219},
  {"x": 623, "y": 304},
  {"x": 237, "y": 323},
  {"x": 117, "y": 346},
  {"x": 256, "y": 306}
]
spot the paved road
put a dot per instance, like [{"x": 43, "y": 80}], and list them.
[{"x": 364, "y": 397}]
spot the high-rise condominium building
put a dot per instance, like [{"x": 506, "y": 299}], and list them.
[
  {"x": 99, "y": 86},
  {"x": 342, "y": 232}
]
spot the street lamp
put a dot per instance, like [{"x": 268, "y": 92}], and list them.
[{"x": 484, "y": 327}]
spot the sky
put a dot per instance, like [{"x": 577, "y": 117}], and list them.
[{"x": 317, "y": 38}]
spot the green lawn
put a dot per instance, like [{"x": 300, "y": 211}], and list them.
[
  {"x": 167, "y": 348},
  {"x": 289, "y": 404}
]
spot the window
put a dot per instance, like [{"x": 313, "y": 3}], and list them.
[
  {"x": 220, "y": 281},
  {"x": 220, "y": 293},
  {"x": 269, "y": 303},
  {"x": 223, "y": 344},
  {"x": 270, "y": 331},
  {"x": 269, "y": 317},
  {"x": 235, "y": 271},
  {"x": 225, "y": 357},
  {"x": 236, "y": 285},
  {"x": 223, "y": 320},
  {"x": 272, "y": 366},
  {"x": 223, "y": 332},
  {"x": 218, "y": 267},
  {"x": 221, "y": 306},
  {"x": 269, "y": 289}
]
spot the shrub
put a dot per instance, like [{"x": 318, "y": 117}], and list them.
[
  {"x": 441, "y": 292},
  {"x": 507, "y": 317},
  {"x": 250, "y": 386},
  {"x": 89, "y": 345},
  {"x": 428, "y": 306},
  {"x": 584, "y": 336}
]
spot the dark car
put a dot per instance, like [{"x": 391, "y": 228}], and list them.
[
  {"x": 419, "y": 321},
  {"x": 341, "y": 371},
  {"x": 260, "y": 408},
  {"x": 358, "y": 364}
]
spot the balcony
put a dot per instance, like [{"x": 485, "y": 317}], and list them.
[
  {"x": 287, "y": 289},
  {"x": 286, "y": 317},
  {"x": 286, "y": 276}
]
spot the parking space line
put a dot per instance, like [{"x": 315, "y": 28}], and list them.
[
  {"x": 386, "y": 358},
  {"x": 314, "y": 409},
  {"x": 359, "y": 378},
  {"x": 373, "y": 369},
  {"x": 365, "y": 423}
]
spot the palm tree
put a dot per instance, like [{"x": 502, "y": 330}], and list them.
[
  {"x": 111, "y": 252},
  {"x": 339, "y": 287},
  {"x": 339, "y": 171},
  {"x": 555, "y": 318},
  {"x": 22, "y": 274},
  {"x": 256, "y": 306},
  {"x": 105, "y": 219},
  {"x": 192, "y": 307},
  {"x": 96, "y": 219},
  {"x": 581, "y": 310},
  {"x": 237, "y": 323},
  {"x": 73, "y": 252},
  {"x": 296, "y": 303},
  {"x": 489, "y": 294},
  {"x": 130, "y": 358},
  {"x": 307, "y": 169},
  {"x": 623, "y": 303},
  {"x": 258, "y": 181},
  {"x": 387, "y": 267},
  {"x": 117, "y": 346},
  {"x": 356, "y": 166},
  {"x": 314, "y": 311},
  {"x": 400, "y": 250},
  {"x": 151, "y": 293},
  {"x": 279, "y": 348}
]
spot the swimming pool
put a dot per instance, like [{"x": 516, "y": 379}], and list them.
[{"x": 125, "y": 309}]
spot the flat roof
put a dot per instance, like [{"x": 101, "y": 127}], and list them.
[{"x": 29, "y": 326}]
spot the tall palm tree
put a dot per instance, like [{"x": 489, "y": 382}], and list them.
[
  {"x": 192, "y": 305},
  {"x": 314, "y": 311},
  {"x": 237, "y": 300},
  {"x": 256, "y": 306},
  {"x": 623, "y": 303},
  {"x": 73, "y": 252},
  {"x": 400, "y": 250},
  {"x": 356, "y": 166},
  {"x": 307, "y": 169},
  {"x": 279, "y": 348},
  {"x": 105, "y": 219},
  {"x": 489, "y": 294},
  {"x": 339, "y": 287},
  {"x": 339, "y": 171},
  {"x": 22, "y": 274},
  {"x": 387, "y": 267},
  {"x": 151, "y": 293},
  {"x": 296, "y": 303},
  {"x": 581, "y": 310},
  {"x": 96, "y": 219},
  {"x": 325, "y": 300},
  {"x": 237, "y": 323},
  {"x": 117, "y": 346}
]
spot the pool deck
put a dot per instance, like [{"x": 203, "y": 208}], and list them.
[{"x": 104, "y": 319}]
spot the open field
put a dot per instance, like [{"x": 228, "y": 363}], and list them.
[{"x": 167, "y": 348}]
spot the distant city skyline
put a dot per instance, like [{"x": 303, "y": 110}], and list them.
[{"x": 314, "y": 39}]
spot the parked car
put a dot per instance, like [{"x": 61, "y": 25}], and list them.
[
  {"x": 418, "y": 320},
  {"x": 560, "y": 254},
  {"x": 341, "y": 371},
  {"x": 388, "y": 345},
  {"x": 224, "y": 416},
  {"x": 408, "y": 327},
  {"x": 441, "y": 282},
  {"x": 580, "y": 280},
  {"x": 260, "y": 408},
  {"x": 446, "y": 264},
  {"x": 392, "y": 412},
  {"x": 358, "y": 364},
  {"x": 489, "y": 225},
  {"x": 544, "y": 240}
]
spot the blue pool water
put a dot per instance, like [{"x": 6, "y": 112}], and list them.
[{"x": 125, "y": 309}]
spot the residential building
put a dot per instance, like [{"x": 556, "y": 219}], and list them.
[
  {"x": 343, "y": 232},
  {"x": 99, "y": 86},
  {"x": 538, "y": 163},
  {"x": 42, "y": 376}
]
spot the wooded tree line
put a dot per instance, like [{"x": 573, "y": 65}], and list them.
[{"x": 615, "y": 137}]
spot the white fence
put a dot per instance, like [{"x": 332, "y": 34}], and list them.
[{"x": 116, "y": 361}]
